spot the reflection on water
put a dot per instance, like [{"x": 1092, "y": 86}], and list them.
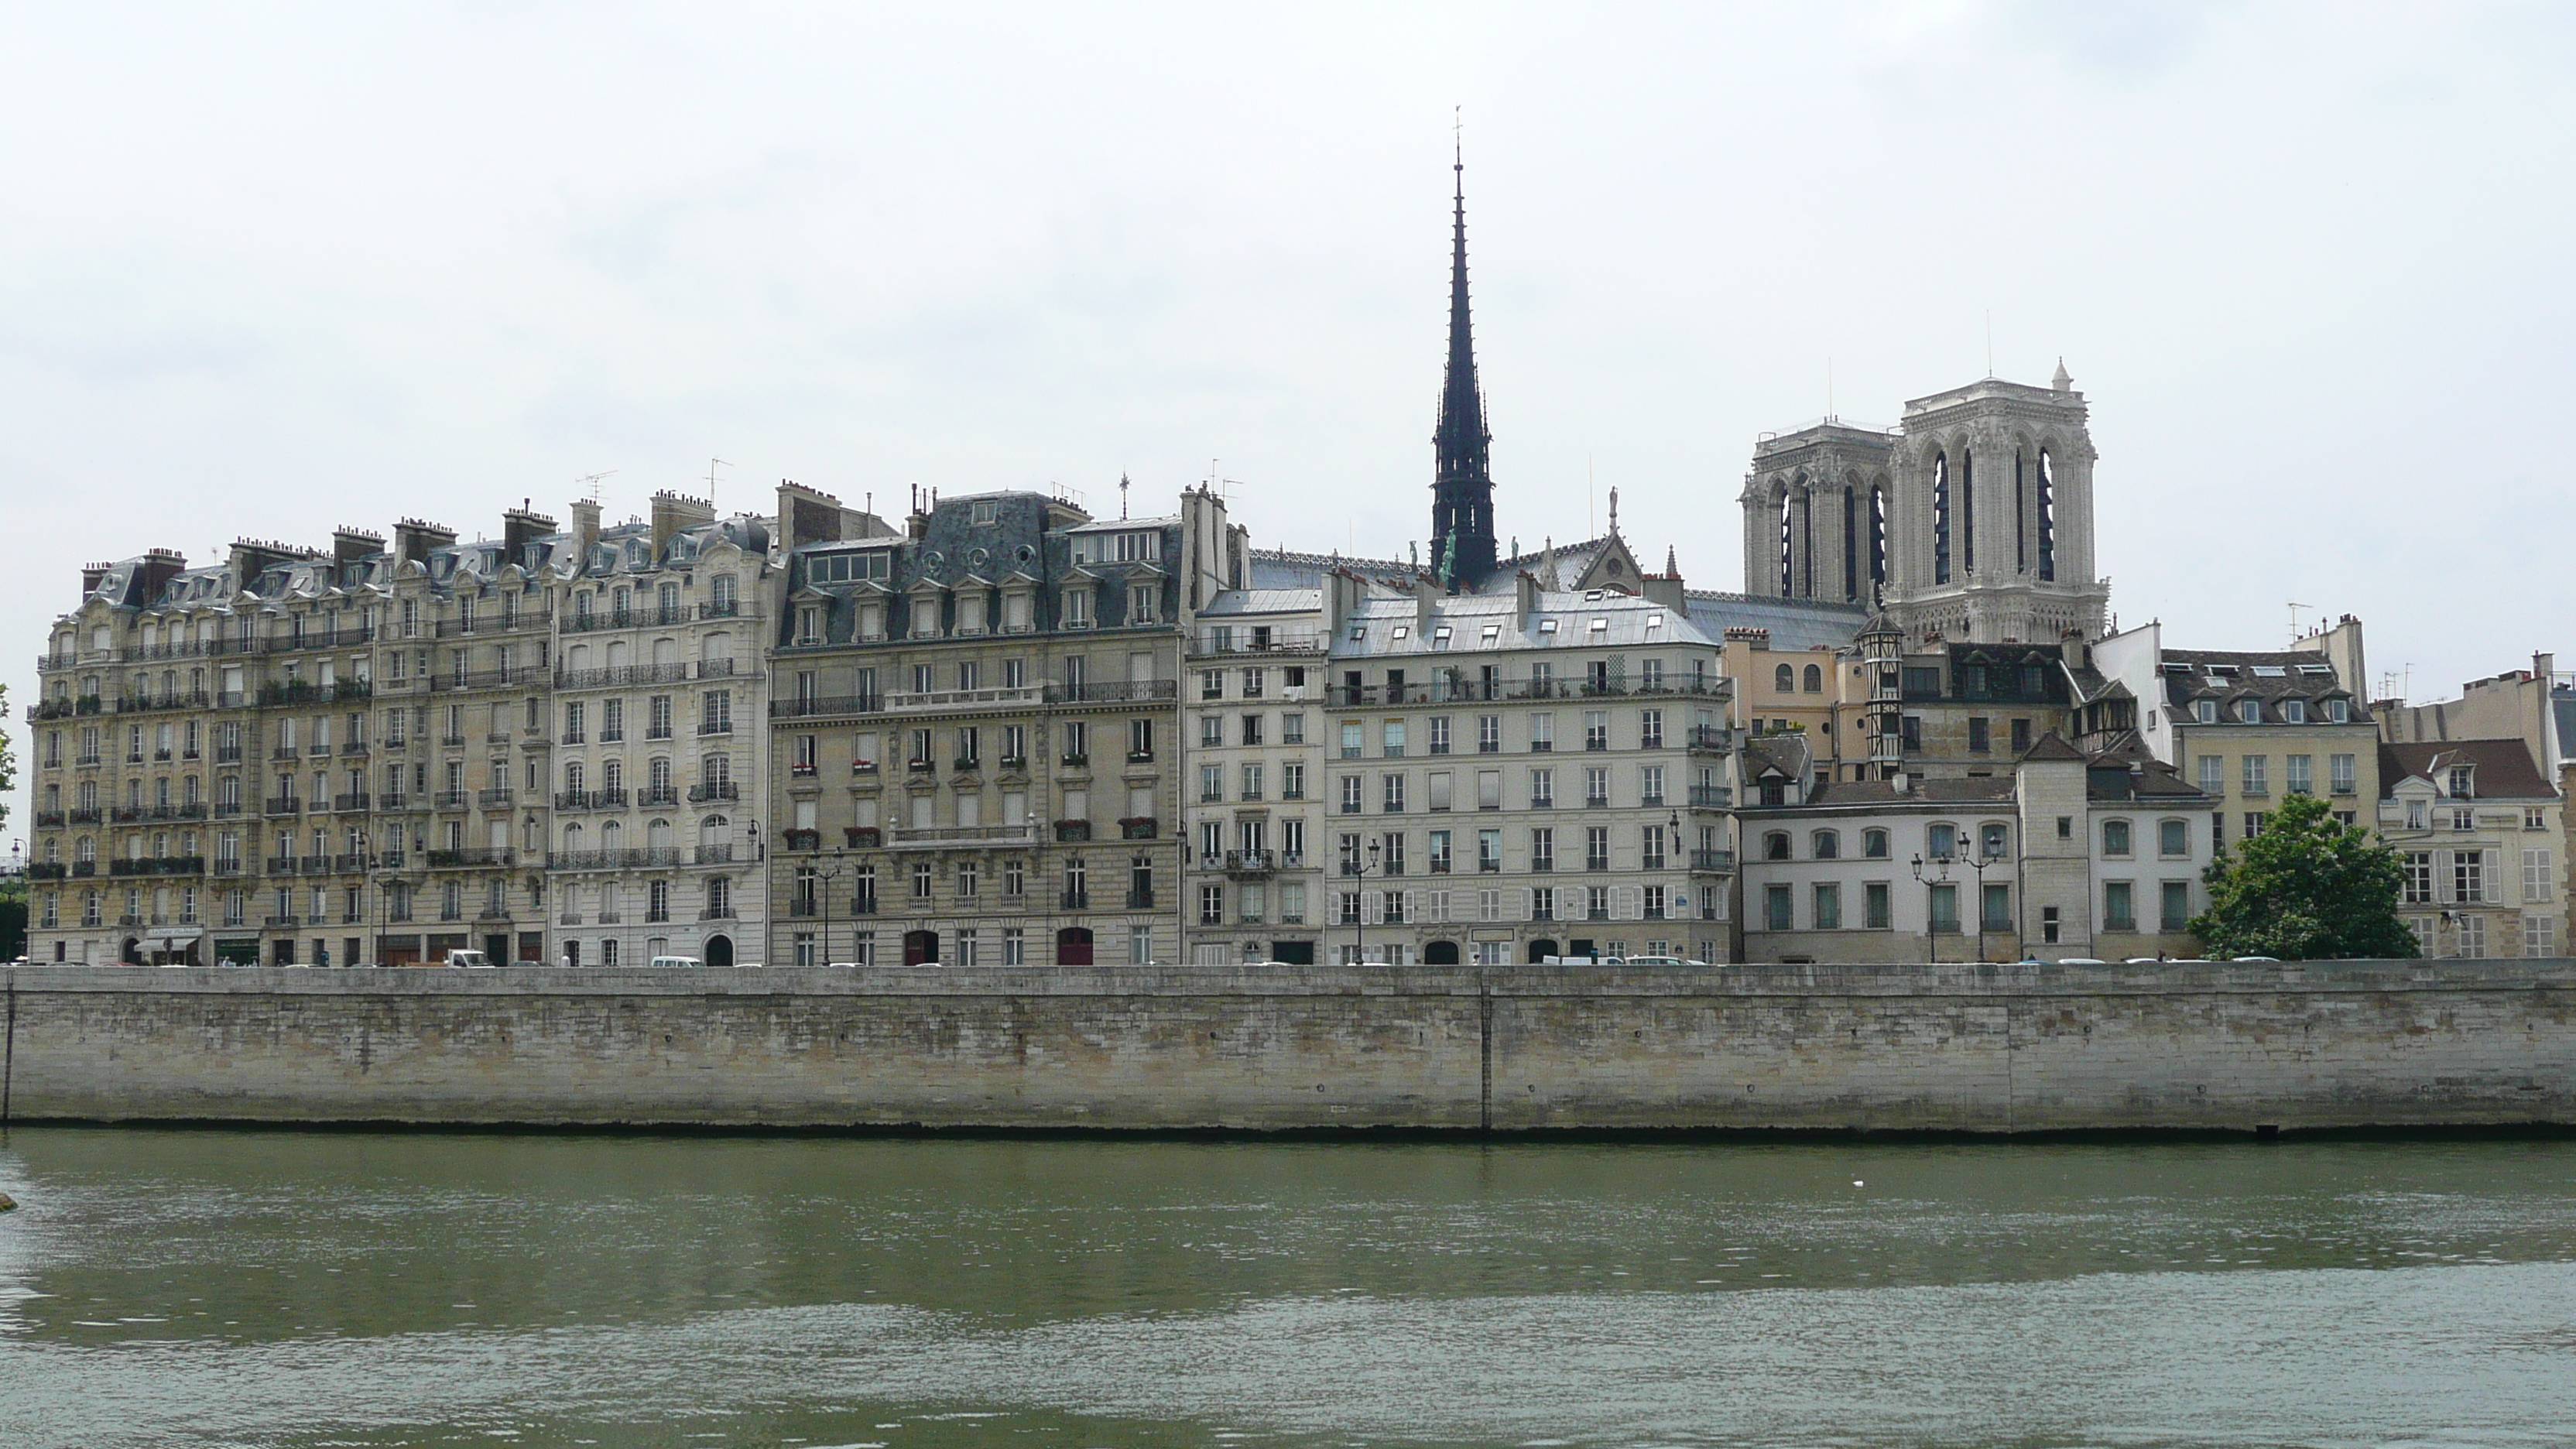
[{"x": 350, "y": 1289}]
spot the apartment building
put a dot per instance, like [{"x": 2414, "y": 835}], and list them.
[
  {"x": 1254, "y": 888},
  {"x": 2477, "y": 827},
  {"x": 2062, "y": 854},
  {"x": 974, "y": 758},
  {"x": 1522, "y": 774},
  {"x": 2248, "y": 728},
  {"x": 659, "y": 755}
]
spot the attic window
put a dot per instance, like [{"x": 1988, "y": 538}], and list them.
[
  {"x": 1404, "y": 631},
  {"x": 1492, "y": 633},
  {"x": 1359, "y": 633},
  {"x": 1592, "y": 596},
  {"x": 983, "y": 513},
  {"x": 1440, "y": 637},
  {"x": 2177, "y": 669},
  {"x": 2316, "y": 669},
  {"x": 1654, "y": 621},
  {"x": 2270, "y": 671},
  {"x": 1547, "y": 626},
  {"x": 2222, "y": 671},
  {"x": 1600, "y": 626}
]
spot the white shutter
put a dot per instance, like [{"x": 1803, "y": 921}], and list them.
[
  {"x": 1413, "y": 906},
  {"x": 1529, "y": 903},
  {"x": 1372, "y": 908}
]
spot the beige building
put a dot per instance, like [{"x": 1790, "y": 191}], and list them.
[{"x": 2479, "y": 830}]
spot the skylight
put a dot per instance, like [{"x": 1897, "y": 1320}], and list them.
[
  {"x": 1547, "y": 626},
  {"x": 2270, "y": 671}
]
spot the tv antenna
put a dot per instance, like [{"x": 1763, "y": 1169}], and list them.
[
  {"x": 712, "y": 465},
  {"x": 590, "y": 482},
  {"x": 2295, "y": 607}
]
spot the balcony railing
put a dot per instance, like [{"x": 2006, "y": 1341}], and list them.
[
  {"x": 621, "y": 674},
  {"x": 155, "y": 865},
  {"x": 282, "y": 805},
  {"x": 1460, "y": 691},
  {"x": 482, "y": 855},
  {"x": 1138, "y": 827},
  {"x": 701, "y": 794},
  {"x": 1712, "y": 797},
  {"x": 1251, "y": 862},
  {"x": 1714, "y": 862},
  {"x": 638, "y": 859},
  {"x": 1077, "y": 900},
  {"x": 826, "y": 704},
  {"x": 1021, "y": 697},
  {"x": 496, "y": 799},
  {"x": 941, "y": 837}
]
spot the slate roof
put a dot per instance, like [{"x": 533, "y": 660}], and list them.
[
  {"x": 2504, "y": 768},
  {"x": 1975, "y": 789},
  {"x": 2269, "y": 677}
]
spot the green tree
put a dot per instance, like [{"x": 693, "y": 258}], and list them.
[{"x": 2306, "y": 889}]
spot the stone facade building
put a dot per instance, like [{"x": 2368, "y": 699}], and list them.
[
  {"x": 2478, "y": 828},
  {"x": 975, "y": 757}
]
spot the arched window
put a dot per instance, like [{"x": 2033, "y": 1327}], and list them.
[
  {"x": 1775, "y": 846},
  {"x": 1784, "y": 679},
  {"x": 573, "y": 780},
  {"x": 2115, "y": 837},
  {"x": 1815, "y": 680},
  {"x": 1941, "y": 840},
  {"x": 572, "y": 837},
  {"x": 1826, "y": 845},
  {"x": 1967, "y": 512},
  {"x": 2045, "y": 489},
  {"x": 1993, "y": 840},
  {"x": 668, "y": 596},
  {"x": 723, "y": 586},
  {"x": 657, "y": 835},
  {"x": 1873, "y": 844},
  {"x": 1940, "y": 518}
]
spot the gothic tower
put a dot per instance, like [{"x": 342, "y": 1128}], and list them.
[
  {"x": 1972, "y": 522},
  {"x": 1462, "y": 494}
]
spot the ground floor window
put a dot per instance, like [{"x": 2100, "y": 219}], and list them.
[
  {"x": 2473, "y": 936},
  {"x": 804, "y": 948},
  {"x": 1140, "y": 945},
  {"x": 2539, "y": 936}
]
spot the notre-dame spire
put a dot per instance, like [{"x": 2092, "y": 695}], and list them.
[{"x": 1462, "y": 496}]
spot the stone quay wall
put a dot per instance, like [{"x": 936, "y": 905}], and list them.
[{"x": 1975, "y": 1048}]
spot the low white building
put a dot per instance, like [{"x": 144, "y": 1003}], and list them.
[{"x": 2068, "y": 856}]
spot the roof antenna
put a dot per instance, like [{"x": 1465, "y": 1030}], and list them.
[
  {"x": 2295, "y": 607},
  {"x": 591, "y": 482},
  {"x": 1829, "y": 388},
  {"x": 712, "y": 465},
  {"x": 1122, "y": 498},
  {"x": 1990, "y": 342}
]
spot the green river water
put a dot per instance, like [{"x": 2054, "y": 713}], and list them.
[{"x": 353, "y": 1289}]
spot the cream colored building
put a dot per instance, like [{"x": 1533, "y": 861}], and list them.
[{"x": 2480, "y": 832}]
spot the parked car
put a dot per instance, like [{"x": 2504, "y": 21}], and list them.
[
  {"x": 660, "y": 961},
  {"x": 469, "y": 960}
]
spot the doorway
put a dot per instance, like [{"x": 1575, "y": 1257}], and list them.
[
  {"x": 719, "y": 950},
  {"x": 1073, "y": 946},
  {"x": 920, "y": 947},
  {"x": 1440, "y": 953},
  {"x": 1540, "y": 950}
]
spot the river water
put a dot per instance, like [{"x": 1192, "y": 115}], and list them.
[{"x": 351, "y": 1289}]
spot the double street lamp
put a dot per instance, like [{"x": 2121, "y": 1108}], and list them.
[
  {"x": 1937, "y": 876},
  {"x": 1359, "y": 869}
]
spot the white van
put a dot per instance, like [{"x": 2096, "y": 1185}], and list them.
[
  {"x": 661, "y": 961},
  {"x": 469, "y": 960}
]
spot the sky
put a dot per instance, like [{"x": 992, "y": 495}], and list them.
[{"x": 266, "y": 270}]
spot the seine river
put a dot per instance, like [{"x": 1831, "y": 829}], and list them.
[{"x": 325, "y": 1289}]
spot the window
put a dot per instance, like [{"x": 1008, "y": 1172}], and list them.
[
  {"x": 1351, "y": 792},
  {"x": 2206, "y": 711},
  {"x": 1777, "y": 914},
  {"x": 1251, "y": 782},
  {"x": 1543, "y": 850},
  {"x": 1978, "y": 741},
  {"x": 2464, "y": 780},
  {"x": 1596, "y": 787},
  {"x": 2256, "y": 771},
  {"x": 1391, "y": 739},
  {"x": 1596, "y": 847},
  {"x": 1784, "y": 680},
  {"x": 2473, "y": 936},
  {"x": 1995, "y": 907},
  {"x": 1439, "y": 735},
  {"x": 2339, "y": 711},
  {"x": 1873, "y": 844},
  {"x": 1941, "y": 840},
  {"x": 2249, "y": 711},
  {"x": 1542, "y": 788},
  {"x": 2469, "y": 876},
  {"x": 1877, "y": 912},
  {"x": 1292, "y": 781},
  {"x": 1353, "y": 735},
  {"x": 2539, "y": 936},
  {"x": 2115, "y": 837},
  {"x": 1391, "y": 794},
  {"x": 2119, "y": 906},
  {"x": 1825, "y": 845},
  {"x": 1943, "y": 903},
  {"x": 1650, "y": 729},
  {"x": 1211, "y": 783},
  {"x": 2340, "y": 777},
  {"x": 2296, "y": 776},
  {"x": 2294, "y": 711},
  {"x": 2021, "y": 736},
  {"x": 1292, "y": 729},
  {"x": 1992, "y": 841},
  {"x": 2175, "y": 914},
  {"x": 2254, "y": 822},
  {"x": 1828, "y": 906},
  {"x": 2417, "y": 888},
  {"x": 1542, "y": 728},
  {"x": 2173, "y": 838}
]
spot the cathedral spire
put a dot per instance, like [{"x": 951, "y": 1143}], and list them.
[{"x": 1462, "y": 494}]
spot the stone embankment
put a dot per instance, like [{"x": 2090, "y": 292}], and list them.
[{"x": 1976, "y": 1048}]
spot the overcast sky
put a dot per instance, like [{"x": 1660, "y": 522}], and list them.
[{"x": 266, "y": 270}]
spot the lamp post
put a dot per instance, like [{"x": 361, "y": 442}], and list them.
[
  {"x": 1940, "y": 876},
  {"x": 830, "y": 875},
  {"x": 1359, "y": 918}
]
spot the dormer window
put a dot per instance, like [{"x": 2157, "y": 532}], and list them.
[
  {"x": 2249, "y": 711},
  {"x": 2338, "y": 711},
  {"x": 2463, "y": 781},
  {"x": 2207, "y": 713},
  {"x": 2294, "y": 711}
]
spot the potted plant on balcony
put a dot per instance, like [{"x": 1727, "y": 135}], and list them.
[
  {"x": 1136, "y": 827},
  {"x": 1071, "y": 830},
  {"x": 862, "y": 837}
]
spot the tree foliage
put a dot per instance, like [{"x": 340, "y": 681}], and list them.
[
  {"x": 8, "y": 761},
  {"x": 2306, "y": 889}
]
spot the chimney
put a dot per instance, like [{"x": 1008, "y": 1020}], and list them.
[
  {"x": 91, "y": 574},
  {"x": 520, "y": 527},
  {"x": 1900, "y": 782},
  {"x": 2074, "y": 650},
  {"x": 351, "y": 546},
  {"x": 673, "y": 512},
  {"x": 807, "y": 515},
  {"x": 415, "y": 539},
  {"x": 585, "y": 530},
  {"x": 253, "y": 557},
  {"x": 161, "y": 565}
]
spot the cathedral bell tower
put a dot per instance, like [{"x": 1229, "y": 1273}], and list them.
[{"x": 1462, "y": 493}]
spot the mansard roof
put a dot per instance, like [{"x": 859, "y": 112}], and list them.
[{"x": 2502, "y": 769}]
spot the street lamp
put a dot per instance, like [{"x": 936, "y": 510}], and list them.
[
  {"x": 1940, "y": 876},
  {"x": 1359, "y": 918}
]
